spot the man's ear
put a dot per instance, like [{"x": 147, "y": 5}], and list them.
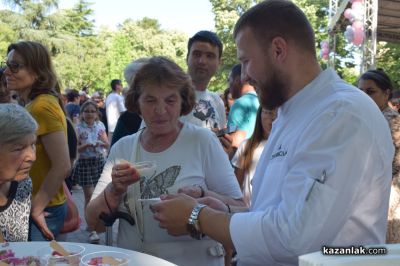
[
  {"x": 387, "y": 92},
  {"x": 220, "y": 62},
  {"x": 279, "y": 49}
]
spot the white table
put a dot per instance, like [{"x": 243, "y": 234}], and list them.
[
  {"x": 137, "y": 258},
  {"x": 392, "y": 258}
]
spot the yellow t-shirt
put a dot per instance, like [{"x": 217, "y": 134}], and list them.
[{"x": 50, "y": 118}]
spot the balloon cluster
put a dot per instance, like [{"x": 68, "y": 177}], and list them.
[
  {"x": 355, "y": 32},
  {"x": 324, "y": 50}
]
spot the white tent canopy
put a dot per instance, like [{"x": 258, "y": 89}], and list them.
[
  {"x": 389, "y": 21},
  {"x": 381, "y": 23}
]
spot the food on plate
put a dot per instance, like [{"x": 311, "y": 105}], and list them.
[
  {"x": 106, "y": 261},
  {"x": 24, "y": 261},
  {"x": 6, "y": 253},
  {"x": 61, "y": 254}
]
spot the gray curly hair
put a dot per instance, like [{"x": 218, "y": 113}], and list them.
[
  {"x": 132, "y": 68},
  {"x": 15, "y": 123}
]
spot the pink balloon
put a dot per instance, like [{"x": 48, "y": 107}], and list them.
[
  {"x": 357, "y": 41},
  {"x": 325, "y": 50},
  {"x": 357, "y": 6},
  {"x": 348, "y": 13},
  {"x": 358, "y": 32},
  {"x": 325, "y": 56},
  {"x": 358, "y": 25},
  {"x": 324, "y": 44},
  {"x": 358, "y": 37}
]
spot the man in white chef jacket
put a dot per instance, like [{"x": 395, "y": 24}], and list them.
[{"x": 324, "y": 176}]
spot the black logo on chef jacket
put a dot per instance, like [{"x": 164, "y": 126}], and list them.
[{"x": 279, "y": 153}]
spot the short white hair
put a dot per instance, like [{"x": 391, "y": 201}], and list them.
[
  {"x": 132, "y": 69},
  {"x": 15, "y": 123}
]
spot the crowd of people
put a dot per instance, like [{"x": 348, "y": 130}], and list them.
[{"x": 288, "y": 159}]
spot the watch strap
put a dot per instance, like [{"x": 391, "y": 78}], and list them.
[{"x": 193, "y": 225}]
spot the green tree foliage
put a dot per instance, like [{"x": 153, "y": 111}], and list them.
[
  {"x": 226, "y": 14},
  {"x": 6, "y": 37},
  {"x": 228, "y": 11},
  {"x": 136, "y": 39},
  {"x": 78, "y": 20},
  {"x": 86, "y": 56},
  {"x": 81, "y": 56},
  {"x": 388, "y": 58}
]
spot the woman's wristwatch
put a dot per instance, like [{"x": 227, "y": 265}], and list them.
[{"x": 193, "y": 225}]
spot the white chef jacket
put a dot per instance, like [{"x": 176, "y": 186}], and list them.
[{"x": 331, "y": 132}]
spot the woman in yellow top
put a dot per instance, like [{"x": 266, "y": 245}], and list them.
[{"x": 29, "y": 71}]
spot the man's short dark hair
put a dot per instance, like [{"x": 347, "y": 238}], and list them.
[
  {"x": 114, "y": 83},
  {"x": 206, "y": 36},
  {"x": 236, "y": 70},
  {"x": 72, "y": 95},
  {"x": 273, "y": 18},
  {"x": 381, "y": 79}
]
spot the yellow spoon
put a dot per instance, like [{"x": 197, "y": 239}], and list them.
[{"x": 57, "y": 247}]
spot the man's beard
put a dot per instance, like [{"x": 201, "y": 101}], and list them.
[
  {"x": 272, "y": 92},
  {"x": 199, "y": 76}
]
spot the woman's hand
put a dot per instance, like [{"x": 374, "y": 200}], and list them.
[
  {"x": 40, "y": 221},
  {"x": 214, "y": 203},
  {"x": 226, "y": 142},
  {"x": 173, "y": 212},
  {"x": 123, "y": 175},
  {"x": 84, "y": 147},
  {"x": 194, "y": 191}
]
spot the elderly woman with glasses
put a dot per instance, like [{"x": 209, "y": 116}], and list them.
[
  {"x": 186, "y": 158},
  {"x": 29, "y": 71},
  {"x": 17, "y": 154}
]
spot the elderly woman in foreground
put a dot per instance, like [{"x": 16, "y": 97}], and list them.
[
  {"x": 17, "y": 154},
  {"x": 186, "y": 158}
]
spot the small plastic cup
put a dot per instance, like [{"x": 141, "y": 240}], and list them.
[
  {"x": 145, "y": 168},
  {"x": 105, "y": 258},
  {"x": 49, "y": 257}
]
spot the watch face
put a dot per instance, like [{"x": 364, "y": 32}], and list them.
[{"x": 193, "y": 232}]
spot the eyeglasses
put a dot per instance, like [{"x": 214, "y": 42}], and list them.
[
  {"x": 90, "y": 112},
  {"x": 14, "y": 67}
]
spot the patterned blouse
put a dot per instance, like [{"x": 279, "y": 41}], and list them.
[
  {"x": 91, "y": 135},
  {"x": 393, "y": 232},
  {"x": 14, "y": 216}
]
